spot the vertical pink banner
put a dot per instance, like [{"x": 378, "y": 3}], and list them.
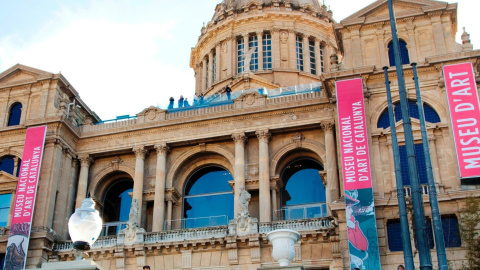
[
  {"x": 23, "y": 206},
  {"x": 465, "y": 116},
  {"x": 353, "y": 135}
]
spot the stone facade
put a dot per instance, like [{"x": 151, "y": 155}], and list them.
[{"x": 254, "y": 137}]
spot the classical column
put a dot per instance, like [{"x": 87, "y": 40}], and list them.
[
  {"x": 318, "y": 61},
  {"x": 159, "y": 199},
  {"x": 85, "y": 162},
  {"x": 292, "y": 49},
  {"x": 392, "y": 183},
  {"x": 260, "y": 50},
  {"x": 381, "y": 47},
  {"x": 218, "y": 62},
  {"x": 306, "y": 54},
  {"x": 171, "y": 196},
  {"x": 275, "y": 48},
  {"x": 140, "y": 154},
  {"x": 332, "y": 191},
  {"x": 264, "y": 175},
  {"x": 275, "y": 184},
  {"x": 412, "y": 50},
  {"x": 204, "y": 75},
  {"x": 239, "y": 168},
  {"x": 434, "y": 157},
  {"x": 210, "y": 69}
]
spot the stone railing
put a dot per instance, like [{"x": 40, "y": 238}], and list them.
[
  {"x": 107, "y": 241},
  {"x": 322, "y": 224},
  {"x": 186, "y": 234},
  {"x": 423, "y": 189}
]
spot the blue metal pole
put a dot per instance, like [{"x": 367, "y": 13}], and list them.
[
  {"x": 418, "y": 208},
  {"x": 432, "y": 191},
  {"x": 402, "y": 208}
]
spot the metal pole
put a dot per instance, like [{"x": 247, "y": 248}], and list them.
[
  {"x": 418, "y": 210},
  {"x": 432, "y": 191},
  {"x": 405, "y": 232}
]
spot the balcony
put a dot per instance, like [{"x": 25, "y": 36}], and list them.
[
  {"x": 305, "y": 211},
  {"x": 201, "y": 222}
]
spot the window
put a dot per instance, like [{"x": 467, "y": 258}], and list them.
[
  {"x": 311, "y": 49},
  {"x": 208, "y": 199},
  {"x": 421, "y": 164},
  {"x": 4, "y": 208},
  {"x": 7, "y": 164},
  {"x": 15, "y": 114},
  {"x": 303, "y": 194},
  {"x": 207, "y": 73},
  {"x": 240, "y": 53},
  {"x": 451, "y": 231},
  {"x": 214, "y": 71},
  {"x": 403, "y": 53},
  {"x": 299, "y": 49},
  {"x": 2, "y": 260},
  {"x": 267, "y": 51},
  {"x": 116, "y": 206},
  {"x": 253, "y": 43},
  {"x": 394, "y": 235},
  {"x": 322, "y": 65},
  {"x": 430, "y": 114}
]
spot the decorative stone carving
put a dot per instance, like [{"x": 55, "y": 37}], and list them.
[
  {"x": 239, "y": 138},
  {"x": 283, "y": 37},
  {"x": 328, "y": 127},
  {"x": 298, "y": 138},
  {"x": 263, "y": 135},
  {"x": 244, "y": 224},
  {"x": 186, "y": 259},
  {"x": 162, "y": 149},
  {"x": 140, "y": 152},
  {"x": 116, "y": 163},
  {"x": 132, "y": 233}
]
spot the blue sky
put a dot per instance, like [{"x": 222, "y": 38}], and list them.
[{"x": 125, "y": 55}]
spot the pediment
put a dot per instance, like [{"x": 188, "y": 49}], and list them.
[
  {"x": 20, "y": 73},
  {"x": 7, "y": 178},
  {"x": 379, "y": 9},
  {"x": 252, "y": 81},
  {"x": 415, "y": 126}
]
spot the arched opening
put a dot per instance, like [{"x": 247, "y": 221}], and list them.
[
  {"x": 403, "y": 53},
  {"x": 7, "y": 164},
  {"x": 208, "y": 198},
  {"x": 116, "y": 206},
  {"x": 430, "y": 116},
  {"x": 15, "y": 114},
  {"x": 303, "y": 193}
]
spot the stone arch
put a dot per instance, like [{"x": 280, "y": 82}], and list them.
[
  {"x": 379, "y": 108},
  {"x": 310, "y": 145},
  {"x": 174, "y": 169},
  {"x": 101, "y": 180}
]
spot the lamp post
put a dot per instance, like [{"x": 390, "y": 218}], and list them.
[{"x": 84, "y": 227}]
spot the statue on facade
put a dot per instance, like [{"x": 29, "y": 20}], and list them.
[
  {"x": 132, "y": 228},
  {"x": 248, "y": 58},
  {"x": 245, "y": 223}
]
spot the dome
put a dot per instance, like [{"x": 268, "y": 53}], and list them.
[{"x": 236, "y": 4}]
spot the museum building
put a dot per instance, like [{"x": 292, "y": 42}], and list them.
[{"x": 256, "y": 150}]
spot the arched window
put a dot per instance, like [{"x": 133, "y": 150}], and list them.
[
  {"x": 116, "y": 206},
  {"x": 403, "y": 53},
  {"x": 208, "y": 199},
  {"x": 207, "y": 73},
  {"x": 430, "y": 116},
  {"x": 7, "y": 164},
  {"x": 267, "y": 51},
  {"x": 303, "y": 193},
  {"x": 4, "y": 208},
  {"x": 299, "y": 49},
  {"x": 15, "y": 114}
]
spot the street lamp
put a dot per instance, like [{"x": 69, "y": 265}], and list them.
[{"x": 84, "y": 227}]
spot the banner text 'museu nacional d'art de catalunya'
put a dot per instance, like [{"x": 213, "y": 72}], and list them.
[
  {"x": 461, "y": 89},
  {"x": 22, "y": 212},
  {"x": 357, "y": 181}
]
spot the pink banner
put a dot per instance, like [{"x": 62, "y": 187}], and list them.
[
  {"x": 353, "y": 134},
  {"x": 23, "y": 206},
  {"x": 465, "y": 116}
]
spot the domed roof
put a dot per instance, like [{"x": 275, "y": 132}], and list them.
[{"x": 236, "y": 4}]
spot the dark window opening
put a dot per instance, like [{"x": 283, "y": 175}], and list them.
[
  {"x": 403, "y": 53},
  {"x": 15, "y": 114}
]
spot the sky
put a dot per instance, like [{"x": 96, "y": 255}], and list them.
[{"x": 125, "y": 55}]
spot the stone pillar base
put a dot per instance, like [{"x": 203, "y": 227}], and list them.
[
  {"x": 78, "y": 265},
  {"x": 290, "y": 267}
]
